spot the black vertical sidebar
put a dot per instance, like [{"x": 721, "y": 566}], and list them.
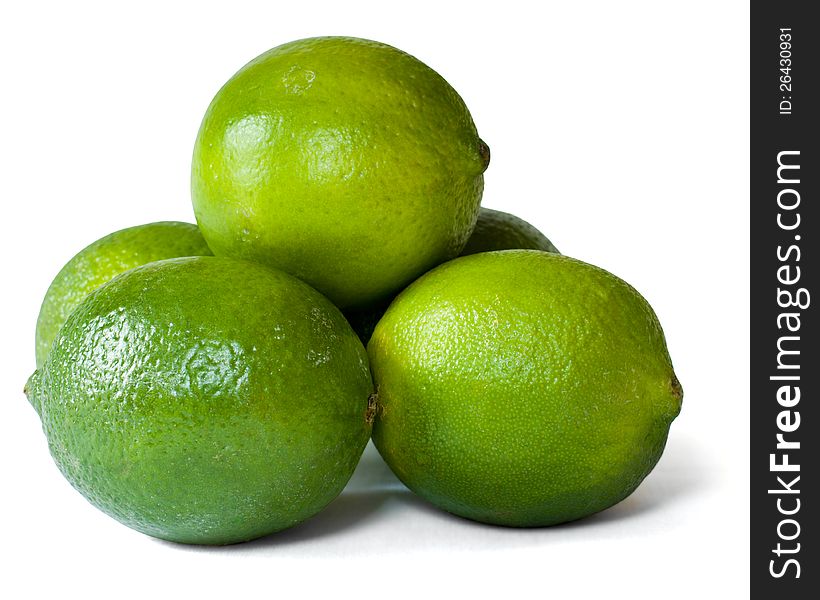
[{"x": 785, "y": 436}]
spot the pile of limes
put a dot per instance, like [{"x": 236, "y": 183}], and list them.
[{"x": 210, "y": 384}]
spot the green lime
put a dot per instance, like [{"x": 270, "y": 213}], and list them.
[
  {"x": 496, "y": 230},
  {"x": 102, "y": 260},
  {"x": 522, "y": 388},
  {"x": 345, "y": 162},
  {"x": 205, "y": 400}
]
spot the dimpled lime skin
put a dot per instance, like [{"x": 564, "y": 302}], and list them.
[
  {"x": 521, "y": 388},
  {"x": 496, "y": 230},
  {"x": 345, "y": 162},
  {"x": 205, "y": 400},
  {"x": 102, "y": 260}
]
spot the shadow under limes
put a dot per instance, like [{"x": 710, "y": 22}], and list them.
[{"x": 680, "y": 474}]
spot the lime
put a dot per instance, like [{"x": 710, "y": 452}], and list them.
[
  {"x": 345, "y": 162},
  {"x": 521, "y": 388},
  {"x": 205, "y": 400},
  {"x": 496, "y": 230},
  {"x": 102, "y": 260}
]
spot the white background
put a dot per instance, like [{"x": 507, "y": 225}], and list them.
[{"x": 620, "y": 129}]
